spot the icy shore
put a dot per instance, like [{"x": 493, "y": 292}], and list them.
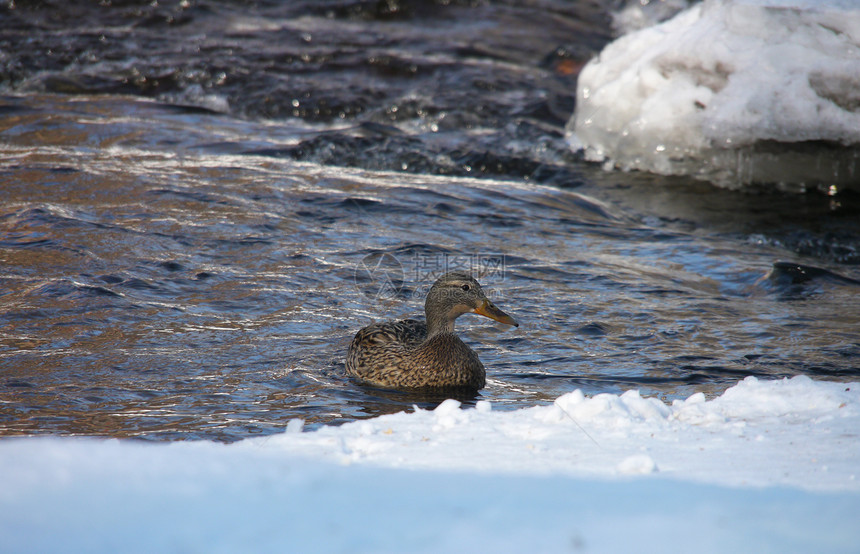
[
  {"x": 767, "y": 466},
  {"x": 738, "y": 92}
]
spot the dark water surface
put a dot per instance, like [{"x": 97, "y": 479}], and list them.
[{"x": 203, "y": 201}]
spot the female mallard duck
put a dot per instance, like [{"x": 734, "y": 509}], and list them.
[{"x": 410, "y": 354}]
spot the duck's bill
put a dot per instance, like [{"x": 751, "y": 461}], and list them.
[{"x": 488, "y": 309}]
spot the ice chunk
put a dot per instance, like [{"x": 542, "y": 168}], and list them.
[
  {"x": 295, "y": 425},
  {"x": 448, "y": 414},
  {"x": 737, "y": 92},
  {"x": 638, "y": 464}
]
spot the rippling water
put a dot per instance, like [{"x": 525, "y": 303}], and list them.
[{"x": 171, "y": 272}]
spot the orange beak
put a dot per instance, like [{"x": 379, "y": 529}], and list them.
[{"x": 488, "y": 309}]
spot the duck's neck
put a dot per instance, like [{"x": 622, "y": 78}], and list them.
[{"x": 438, "y": 323}]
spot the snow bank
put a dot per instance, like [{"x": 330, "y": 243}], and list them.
[
  {"x": 608, "y": 473},
  {"x": 797, "y": 432},
  {"x": 733, "y": 91}
]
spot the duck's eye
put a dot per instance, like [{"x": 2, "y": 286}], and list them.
[{"x": 466, "y": 287}]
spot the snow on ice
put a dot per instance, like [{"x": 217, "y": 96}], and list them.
[
  {"x": 737, "y": 92},
  {"x": 769, "y": 466}
]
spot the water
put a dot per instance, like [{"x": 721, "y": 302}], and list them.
[{"x": 191, "y": 261}]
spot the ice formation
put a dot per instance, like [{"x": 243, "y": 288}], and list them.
[{"x": 737, "y": 92}]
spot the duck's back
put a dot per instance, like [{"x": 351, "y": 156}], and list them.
[{"x": 397, "y": 354}]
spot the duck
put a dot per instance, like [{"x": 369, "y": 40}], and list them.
[{"x": 410, "y": 354}]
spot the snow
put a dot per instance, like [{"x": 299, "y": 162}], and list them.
[
  {"x": 738, "y": 92},
  {"x": 769, "y": 466}
]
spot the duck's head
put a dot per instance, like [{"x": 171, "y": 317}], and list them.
[{"x": 454, "y": 294}]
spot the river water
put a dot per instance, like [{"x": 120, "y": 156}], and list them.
[{"x": 202, "y": 202}]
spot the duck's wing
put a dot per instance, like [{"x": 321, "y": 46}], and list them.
[
  {"x": 406, "y": 333},
  {"x": 383, "y": 347},
  {"x": 397, "y": 354}
]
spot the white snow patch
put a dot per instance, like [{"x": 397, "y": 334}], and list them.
[
  {"x": 767, "y": 466},
  {"x": 733, "y": 91},
  {"x": 638, "y": 464}
]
